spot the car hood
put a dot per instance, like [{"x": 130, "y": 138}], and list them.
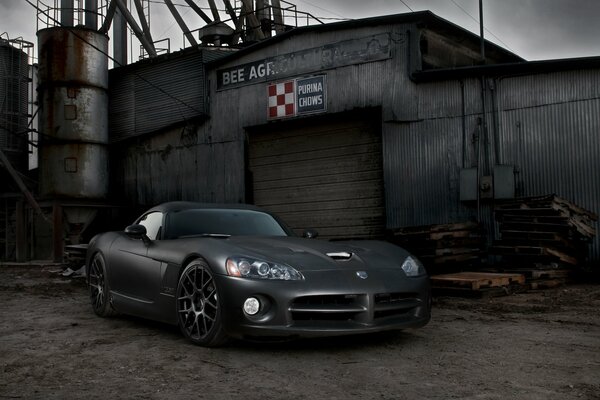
[{"x": 315, "y": 255}]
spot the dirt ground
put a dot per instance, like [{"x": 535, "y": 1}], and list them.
[{"x": 536, "y": 345}]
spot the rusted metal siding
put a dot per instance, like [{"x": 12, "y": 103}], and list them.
[{"x": 179, "y": 164}]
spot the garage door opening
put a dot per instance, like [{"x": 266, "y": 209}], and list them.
[{"x": 322, "y": 173}]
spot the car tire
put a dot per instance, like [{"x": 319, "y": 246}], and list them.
[
  {"x": 198, "y": 308},
  {"x": 99, "y": 289}
]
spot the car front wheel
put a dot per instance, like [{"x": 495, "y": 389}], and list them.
[
  {"x": 99, "y": 289},
  {"x": 198, "y": 309}
]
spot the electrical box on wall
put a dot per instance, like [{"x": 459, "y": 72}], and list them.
[
  {"x": 468, "y": 184},
  {"x": 501, "y": 185},
  {"x": 504, "y": 181}
]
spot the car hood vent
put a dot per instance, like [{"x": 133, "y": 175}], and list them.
[{"x": 341, "y": 255}]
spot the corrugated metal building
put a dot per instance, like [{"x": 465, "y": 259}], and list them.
[{"x": 359, "y": 126}]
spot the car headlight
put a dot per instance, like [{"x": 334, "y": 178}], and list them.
[
  {"x": 258, "y": 269},
  {"x": 412, "y": 267}
]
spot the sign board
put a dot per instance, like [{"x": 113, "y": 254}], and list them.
[
  {"x": 334, "y": 55},
  {"x": 297, "y": 97}
]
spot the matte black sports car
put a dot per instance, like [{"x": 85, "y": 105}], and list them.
[{"x": 222, "y": 271}]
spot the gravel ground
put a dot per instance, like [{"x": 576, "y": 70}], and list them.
[{"x": 536, "y": 345}]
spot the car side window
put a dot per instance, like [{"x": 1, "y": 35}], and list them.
[{"x": 153, "y": 224}]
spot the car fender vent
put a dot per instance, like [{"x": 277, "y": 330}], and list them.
[{"x": 340, "y": 255}]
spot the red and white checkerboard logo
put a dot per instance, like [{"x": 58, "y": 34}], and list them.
[{"x": 282, "y": 100}]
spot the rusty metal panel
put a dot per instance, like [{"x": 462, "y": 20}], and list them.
[
  {"x": 171, "y": 166},
  {"x": 75, "y": 170},
  {"x": 71, "y": 55},
  {"x": 75, "y": 113}
]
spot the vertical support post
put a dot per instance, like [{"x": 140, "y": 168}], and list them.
[
  {"x": 481, "y": 31},
  {"x": 57, "y": 233},
  {"x": 278, "y": 16},
  {"x": 21, "y": 236},
  {"x": 66, "y": 13},
  {"x": 120, "y": 38},
  {"x": 91, "y": 14}
]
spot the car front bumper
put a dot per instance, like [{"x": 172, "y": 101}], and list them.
[{"x": 326, "y": 303}]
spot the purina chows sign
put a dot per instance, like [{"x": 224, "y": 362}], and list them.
[{"x": 297, "y": 97}]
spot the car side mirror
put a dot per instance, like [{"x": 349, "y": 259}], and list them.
[
  {"x": 310, "y": 234},
  {"x": 136, "y": 231}
]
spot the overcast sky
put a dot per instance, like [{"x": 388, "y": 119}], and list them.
[{"x": 533, "y": 29}]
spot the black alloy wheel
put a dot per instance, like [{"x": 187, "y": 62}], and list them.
[
  {"x": 198, "y": 310},
  {"x": 99, "y": 290}
]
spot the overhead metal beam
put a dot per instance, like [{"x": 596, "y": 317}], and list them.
[
  {"x": 215, "y": 11},
  {"x": 199, "y": 11},
  {"x": 142, "y": 17},
  {"x": 231, "y": 12},
  {"x": 149, "y": 46},
  {"x": 181, "y": 23},
  {"x": 110, "y": 13}
]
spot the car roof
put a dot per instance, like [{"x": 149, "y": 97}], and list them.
[{"x": 189, "y": 205}]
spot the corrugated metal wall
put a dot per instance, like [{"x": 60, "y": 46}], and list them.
[
  {"x": 151, "y": 96},
  {"x": 179, "y": 165},
  {"x": 548, "y": 127}
]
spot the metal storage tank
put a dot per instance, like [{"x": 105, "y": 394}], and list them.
[
  {"x": 14, "y": 78},
  {"x": 72, "y": 91}
]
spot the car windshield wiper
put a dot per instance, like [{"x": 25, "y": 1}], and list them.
[{"x": 212, "y": 235}]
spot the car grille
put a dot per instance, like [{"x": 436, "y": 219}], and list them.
[
  {"x": 353, "y": 307},
  {"x": 327, "y": 307},
  {"x": 393, "y": 304}
]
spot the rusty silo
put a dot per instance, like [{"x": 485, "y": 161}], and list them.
[{"x": 72, "y": 91}]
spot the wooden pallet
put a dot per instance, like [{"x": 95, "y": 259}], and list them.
[
  {"x": 445, "y": 246},
  {"x": 529, "y": 251},
  {"x": 476, "y": 280},
  {"x": 534, "y": 274}
]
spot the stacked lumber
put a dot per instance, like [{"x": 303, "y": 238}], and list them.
[
  {"x": 477, "y": 284},
  {"x": 546, "y": 233},
  {"x": 443, "y": 248}
]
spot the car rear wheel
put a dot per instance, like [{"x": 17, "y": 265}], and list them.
[
  {"x": 198, "y": 309},
  {"x": 99, "y": 290}
]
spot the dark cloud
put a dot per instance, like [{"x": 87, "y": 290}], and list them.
[{"x": 534, "y": 29}]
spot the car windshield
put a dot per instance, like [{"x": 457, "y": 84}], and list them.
[{"x": 222, "y": 222}]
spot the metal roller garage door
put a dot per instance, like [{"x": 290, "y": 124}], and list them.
[{"x": 326, "y": 176}]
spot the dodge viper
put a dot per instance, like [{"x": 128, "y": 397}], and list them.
[{"x": 237, "y": 271}]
